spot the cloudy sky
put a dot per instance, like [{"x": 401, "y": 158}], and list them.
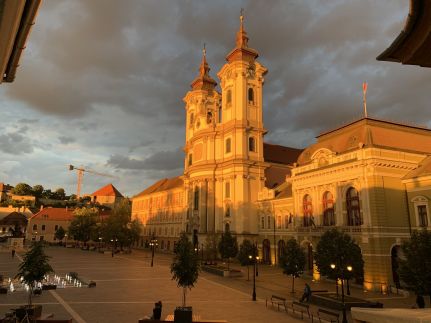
[{"x": 101, "y": 82}]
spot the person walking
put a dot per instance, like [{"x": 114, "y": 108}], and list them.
[{"x": 307, "y": 293}]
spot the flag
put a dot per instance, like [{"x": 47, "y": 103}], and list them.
[{"x": 364, "y": 87}]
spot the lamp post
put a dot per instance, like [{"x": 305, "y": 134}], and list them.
[
  {"x": 336, "y": 280},
  {"x": 254, "y": 259},
  {"x": 153, "y": 244},
  {"x": 66, "y": 240},
  {"x": 349, "y": 268},
  {"x": 100, "y": 242}
]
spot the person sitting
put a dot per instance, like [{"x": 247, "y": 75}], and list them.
[{"x": 157, "y": 310}]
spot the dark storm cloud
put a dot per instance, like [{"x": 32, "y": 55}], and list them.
[
  {"x": 15, "y": 143},
  {"x": 162, "y": 160},
  {"x": 66, "y": 140},
  {"x": 120, "y": 71}
]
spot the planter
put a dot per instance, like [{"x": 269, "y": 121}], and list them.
[
  {"x": 34, "y": 311},
  {"x": 49, "y": 286},
  {"x": 183, "y": 315}
]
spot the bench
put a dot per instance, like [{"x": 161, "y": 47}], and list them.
[
  {"x": 278, "y": 301},
  {"x": 302, "y": 308},
  {"x": 327, "y": 316}
]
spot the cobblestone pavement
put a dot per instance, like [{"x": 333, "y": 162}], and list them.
[{"x": 127, "y": 288}]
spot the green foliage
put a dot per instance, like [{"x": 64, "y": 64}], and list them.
[
  {"x": 34, "y": 267},
  {"x": 415, "y": 270},
  {"x": 83, "y": 224},
  {"x": 22, "y": 189},
  {"x": 340, "y": 249},
  {"x": 292, "y": 260},
  {"x": 228, "y": 245},
  {"x": 246, "y": 249},
  {"x": 59, "y": 194},
  {"x": 60, "y": 233},
  {"x": 120, "y": 226},
  {"x": 37, "y": 191},
  {"x": 211, "y": 246},
  {"x": 185, "y": 266}
]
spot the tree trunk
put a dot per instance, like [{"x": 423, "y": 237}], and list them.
[
  {"x": 293, "y": 284},
  {"x": 30, "y": 295},
  {"x": 184, "y": 296}
]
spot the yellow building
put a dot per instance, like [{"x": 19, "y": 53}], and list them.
[{"x": 370, "y": 178}]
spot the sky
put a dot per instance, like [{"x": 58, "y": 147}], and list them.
[{"x": 101, "y": 82}]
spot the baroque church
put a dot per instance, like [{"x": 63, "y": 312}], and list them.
[{"x": 370, "y": 178}]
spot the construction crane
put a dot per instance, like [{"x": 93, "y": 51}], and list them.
[{"x": 80, "y": 172}]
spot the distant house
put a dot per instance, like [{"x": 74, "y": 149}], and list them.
[
  {"x": 24, "y": 199},
  {"x": 14, "y": 222},
  {"x": 43, "y": 225},
  {"x": 107, "y": 195}
]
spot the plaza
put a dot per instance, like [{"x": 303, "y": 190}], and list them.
[{"x": 127, "y": 288}]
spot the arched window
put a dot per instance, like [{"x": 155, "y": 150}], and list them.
[
  {"x": 209, "y": 117},
  {"x": 328, "y": 209},
  {"x": 353, "y": 209},
  {"x": 192, "y": 119},
  {"x": 227, "y": 190},
  {"x": 228, "y": 145},
  {"x": 250, "y": 95},
  {"x": 196, "y": 199},
  {"x": 251, "y": 144},
  {"x": 229, "y": 97},
  {"x": 226, "y": 227},
  {"x": 307, "y": 207},
  {"x": 227, "y": 210}
]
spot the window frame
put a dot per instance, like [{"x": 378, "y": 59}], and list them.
[
  {"x": 328, "y": 209},
  {"x": 353, "y": 208}
]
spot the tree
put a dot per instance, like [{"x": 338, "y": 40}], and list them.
[
  {"x": 246, "y": 249},
  {"x": 228, "y": 246},
  {"x": 185, "y": 266},
  {"x": 415, "y": 269},
  {"x": 34, "y": 267},
  {"x": 60, "y": 233},
  {"x": 37, "y": 191},
  {"x": 211, "y": 246},
  {"x": 59, "y": 194},
  {"x": 83, "y": 224},
  {"x": 292, "y": 260},
  {"x": 341, "y": 250},
  {"x": 119, "y": 226},
  {"x": 22, "y": 189}
]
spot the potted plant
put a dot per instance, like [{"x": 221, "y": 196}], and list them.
[
  {"x": 185, "y": 270},
  {"x": 33, "y": 269}
]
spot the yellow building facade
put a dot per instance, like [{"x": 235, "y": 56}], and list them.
[{"x": 370, "y": 178}]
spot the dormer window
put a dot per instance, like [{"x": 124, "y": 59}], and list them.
[{"x": 251, "y": 144}]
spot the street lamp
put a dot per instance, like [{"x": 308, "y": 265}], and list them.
[
  {"x": 153, "y": 244},
  {"x": 349, "y": 268},
  {"x": 254, "y": 258},
  {"x": 66, "y": 239},
  {"x": 336, "y": 280},
  {"x": 100, "y": 242}
]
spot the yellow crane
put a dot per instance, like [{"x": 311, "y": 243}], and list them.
[{"x": 80, "y": 172}]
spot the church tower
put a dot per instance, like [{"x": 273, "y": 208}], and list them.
[
  {"x": 224, "y": 166},
  {"x": 241, "y": 166},
  {"x": 202, "y": 107}
]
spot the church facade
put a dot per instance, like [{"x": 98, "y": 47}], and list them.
[{"x": 370, "y": 178}]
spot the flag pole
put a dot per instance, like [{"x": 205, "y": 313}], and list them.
[{"x": 364, "y": 91}]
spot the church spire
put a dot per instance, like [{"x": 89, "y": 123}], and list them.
[
  {"x": 204, "y": 81},
  {"x": 241, "y": 50},
  {"x": 241, "y": 35}
]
